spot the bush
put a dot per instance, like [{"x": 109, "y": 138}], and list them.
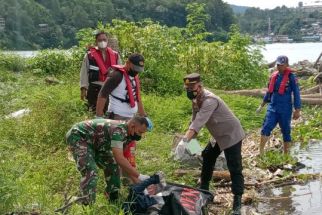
[
  {"x": 52, "y": 62},
  {"x": 170, "y": 54},
  {"x": 12, "y": 62}
]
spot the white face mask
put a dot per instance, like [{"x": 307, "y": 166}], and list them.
[{"x": 102, "y": 44}]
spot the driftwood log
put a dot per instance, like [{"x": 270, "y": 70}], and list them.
[
  {"x": 216, "y": 175},
  {"x": 224, "y": 178},
  {"x": 311, "y": 90},
  {"x": 316, "y": 95},
  {"x": 317, "y": 61},
  {"x": 311, "y": 96},
  {"x": 253, "y": 92}
]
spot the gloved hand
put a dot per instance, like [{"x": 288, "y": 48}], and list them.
[
  {"x": 146, "y": 192},
  {"x": 143, "y": 177},
  {"x": 259, "y": 109},
  {"x": 180, "y": 149}
]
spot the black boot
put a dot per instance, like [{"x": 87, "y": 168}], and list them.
[
  {"x": 204, "y": 185},
  {"x": 237, "y": 204}
]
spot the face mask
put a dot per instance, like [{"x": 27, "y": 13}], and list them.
[
  {"x": 132, "y": 73},
  {"x": 135, "y": 137},
  {"x": 102, "y": 44},
  {"x": 191, "y": 94}
]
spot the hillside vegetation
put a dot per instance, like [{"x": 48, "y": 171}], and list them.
[{"x": 39, "y": 24}]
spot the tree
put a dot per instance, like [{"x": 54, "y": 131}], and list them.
[{"x": 196, "y": 20}]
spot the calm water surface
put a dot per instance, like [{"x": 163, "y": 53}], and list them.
[
  {"x": 295, "y": 51},
  {"x": 298, "y": 199}
]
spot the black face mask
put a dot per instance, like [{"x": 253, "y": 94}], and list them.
[
  {"x": 135, "y": 137},
  {"x": 132, "y": 73},
  {"x": 191, "y": 94}
]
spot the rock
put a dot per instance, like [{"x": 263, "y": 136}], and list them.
[
  {"x": 221, "y": 163},
  {"x": 288, "y": 167},
  {"x": 278, "y": 173},
  {"x": 52, "y": 80},
  {"x": 247, "y": 210},
  {"x": 306, "y": 72},
  {"x": 19, "y": 113}
]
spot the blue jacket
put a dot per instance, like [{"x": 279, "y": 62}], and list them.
[{"x": 283, "y": 102}]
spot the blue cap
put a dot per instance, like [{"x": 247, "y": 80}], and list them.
[
  {"x": 150, "y": 125},
  {"x": 281, "y": 60}
]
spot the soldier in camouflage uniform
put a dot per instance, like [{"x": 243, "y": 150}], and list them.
[{"x": 99, "y": 143}]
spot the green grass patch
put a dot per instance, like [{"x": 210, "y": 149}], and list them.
[
  {"x": 274, "y": 159},
  {"x": 34, "y": 169}
]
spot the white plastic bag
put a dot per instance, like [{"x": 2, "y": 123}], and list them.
[
  {"x": 180, "y": 151},
  {"x": 188, "y": 153}
]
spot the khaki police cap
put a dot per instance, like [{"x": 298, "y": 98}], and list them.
[{"x": 191, "y": 78}]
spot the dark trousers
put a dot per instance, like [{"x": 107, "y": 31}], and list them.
[
  {"x": 92, "y": 94},
  {"x": 234, "y": 163},
  {"x": 138, "y": 201}
]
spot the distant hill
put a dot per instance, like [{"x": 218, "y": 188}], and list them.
[{"x": 238, "y": 9}]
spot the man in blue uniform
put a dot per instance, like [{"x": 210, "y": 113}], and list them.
[{"x": 282, "y": 84}]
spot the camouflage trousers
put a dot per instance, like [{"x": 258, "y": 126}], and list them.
[{"x": 88, "y": 160}]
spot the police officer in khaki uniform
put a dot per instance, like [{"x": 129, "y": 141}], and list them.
[{"x": 211, "y": 111}]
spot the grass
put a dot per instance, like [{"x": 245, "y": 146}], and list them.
[
  {"x": 274, "y": 160},
  {"x": 34, "y": 169}
]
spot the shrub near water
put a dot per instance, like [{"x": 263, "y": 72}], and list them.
[
  {"x": 170, "y": 55},
  {"x": 11, "y": 62},
  {"x": 56, "y": 62}
]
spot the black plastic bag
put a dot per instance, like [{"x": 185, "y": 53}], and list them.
[{"x": 185, "y": 200}]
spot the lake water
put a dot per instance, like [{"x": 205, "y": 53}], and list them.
[
  {"x": 23, "y": 53},
  {"x": 301, "y": 199},
  {"x": 295, "y": 51}
]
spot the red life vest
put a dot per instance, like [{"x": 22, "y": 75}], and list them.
[
  {"x": 110, "y": 60},
  {"x": 281, "y": 89},
  {"x": 129, "y": 85}
]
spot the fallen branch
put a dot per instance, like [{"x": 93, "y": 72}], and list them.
[
  {"x": 216, "y": 175},
  {"x": 276, "y": 181},
  {"x": 311, "y": 90},
  {"x": 69, "y": 204},
  {"x": 280, "y": 197},
  {"x": 311, "y": 100},
  {"x": 253, "y": 92},
  {"x": 315, "y": 95},
  {"x": 317, "y": 61}
]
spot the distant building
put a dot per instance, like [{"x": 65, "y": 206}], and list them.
[
  {"x": 2, "y": 23},
  {"x": 282, "y": 39},
  {"x": 43, "y": 27},
  {"x": 300, "y": 4},
  {"x": 312, "y": 38},
  {"x": 311, "y": 6}
]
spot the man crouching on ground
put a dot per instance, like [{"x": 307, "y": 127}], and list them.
[{"x": 99, "y": 143}]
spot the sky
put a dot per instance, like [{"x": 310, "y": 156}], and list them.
[{"x": 266, "y": 4}]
